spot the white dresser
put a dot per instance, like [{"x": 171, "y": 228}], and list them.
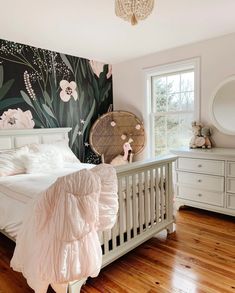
[{"x": 206, "y": 179}]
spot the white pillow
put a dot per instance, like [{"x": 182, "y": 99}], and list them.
[
  {"x": 43, "y": 161},
  {"x": 61, "y": 146},
  {"x": 11, "y": 162},
  {"x": 67, "y": 153}
]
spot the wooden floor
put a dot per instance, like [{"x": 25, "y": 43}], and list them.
[{"x": 198, "y": 257}]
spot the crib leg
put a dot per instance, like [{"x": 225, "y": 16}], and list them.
[
  {"x": 170, "y": 228},
  {"x": 76, "y": 286}
]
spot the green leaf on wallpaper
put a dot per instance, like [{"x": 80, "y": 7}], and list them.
[
  {"x": 5, "y": 88},
  {"x": 1, "y": 76},
  {"x": 96, "y": 88},
  {"x": 38, "y": 123},
  {"x": 90, "y": 91},
  {"x": 66, "y": 61},
  {"x": 83, "y": 69},
  {"x": 102, "y": 79},
  {"x": 105, "y": 92},
  {"x": 88, "y": 118},
  {"x": 4, "y": 104},
  {"x": 26, "y": 98},
  {"x": 47, "y": 98},
  {"x": 48, "y": 110},
  {"x": 81, "y": 99},
  {"x": 74, "y": 136}
]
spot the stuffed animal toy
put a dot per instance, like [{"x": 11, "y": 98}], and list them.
[
  {"x": 200, "y": 137},
  {"x": 206, "y": 133},
  {"x": 197, "y": 140},
  {"x": 126, "y": 158}
]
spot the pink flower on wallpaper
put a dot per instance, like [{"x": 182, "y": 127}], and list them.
[
  {"x": 98, "y": 67},
  {"x": 68, "y": 90},
  {"x": 16, "y": 118}
]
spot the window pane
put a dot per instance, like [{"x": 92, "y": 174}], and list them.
[
  {"x": 160, "y": 135},
  {"x": 159, "y": 84},
  {"x": 191, "y": 101},
  {"x": 185, "y": 132},
  {"x": 173, "y": 83},
  {"x": 187, "y": 101},
  {"x": 159, "y": 94},
  {"x": 174, "y": 102},
  {"x": 187, "y": 81},
  {"x": 172, "y": 131},
  {"x": 161, "y": 103}
]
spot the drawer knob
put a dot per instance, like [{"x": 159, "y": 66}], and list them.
[
  {"x": 199, "y": 180},
  {"x": 199, "y": 194},
  {"x": 199, "y": 166}
]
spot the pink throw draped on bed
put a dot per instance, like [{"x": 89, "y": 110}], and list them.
[{"x": 58, "y": 240}]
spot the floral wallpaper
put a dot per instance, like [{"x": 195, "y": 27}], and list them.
[{"x": 44, "y": 89}]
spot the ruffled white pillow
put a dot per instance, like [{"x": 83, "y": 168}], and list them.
[
  {"x": 67, "y": 153},
  {"x": 61, "y": 146},
  {"x": 45, "y": 160},
  {"x": 11, "y": 162}
]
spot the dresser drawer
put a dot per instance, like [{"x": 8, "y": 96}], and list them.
[
  {"x": 231, "y": 185},
  {"x": 201, "y": 166},
  {"x": 231, "y": 201},
  {"x": 201, "y": 181},
  {"x": 231, "y": 169},
  {"x": 198, "y": 195}
]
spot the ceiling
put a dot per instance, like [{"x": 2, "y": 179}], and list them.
[{"x": 89, "y": 28}]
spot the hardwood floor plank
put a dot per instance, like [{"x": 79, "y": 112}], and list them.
[
  {"x": 186, "y": 268},
  {"x": 198, "y": 258},
  {"x": 188, "y": 236}
]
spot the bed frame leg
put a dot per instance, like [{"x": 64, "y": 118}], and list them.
[
  {"x": 170, "y": 228},
  {"x": 76, "y": 286}
]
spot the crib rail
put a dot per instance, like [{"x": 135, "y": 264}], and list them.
[{"x": 145, "y": 206}]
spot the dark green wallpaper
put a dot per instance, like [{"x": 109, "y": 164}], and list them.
[{"x": 41, "y": 88}]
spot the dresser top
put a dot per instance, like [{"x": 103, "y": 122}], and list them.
[{"x": 213, "y": 153}]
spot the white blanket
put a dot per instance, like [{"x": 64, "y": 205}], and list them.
[
  {"x": 24, "y": 187},
  {"x": 16, "y": 191},
  {"x": 58, "y": 240}
]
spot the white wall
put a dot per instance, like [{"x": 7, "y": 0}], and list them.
[{"x": 217, "y": 63}]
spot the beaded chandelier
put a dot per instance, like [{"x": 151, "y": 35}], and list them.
[{"x": 133, "y": 10}]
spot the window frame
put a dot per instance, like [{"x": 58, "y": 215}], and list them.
[{"x": 166, "y": 69}]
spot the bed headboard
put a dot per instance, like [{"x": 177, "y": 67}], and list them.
[{"x": 10, "y": 139}]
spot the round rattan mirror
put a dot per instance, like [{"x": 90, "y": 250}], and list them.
[{"x": 112, "y": 130}]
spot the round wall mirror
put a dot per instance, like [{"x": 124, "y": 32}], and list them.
[{"x": 223, "y": 106}]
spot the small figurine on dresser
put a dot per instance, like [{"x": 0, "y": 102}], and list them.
[{"x": 201, "y": 136}]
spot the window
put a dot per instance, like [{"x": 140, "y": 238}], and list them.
[{"x": 174, "y": 105}]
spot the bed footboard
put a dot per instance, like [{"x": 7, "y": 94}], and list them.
[{"x": 145, "y": 192}]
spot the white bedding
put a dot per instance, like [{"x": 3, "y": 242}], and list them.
[
  {"x": 13, "y": 201},
  {"x": 16, "y": 191}
]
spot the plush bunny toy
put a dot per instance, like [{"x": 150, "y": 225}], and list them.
[
  {"x": 197, "y": 140},
  {"x": 206, "y": 133}
]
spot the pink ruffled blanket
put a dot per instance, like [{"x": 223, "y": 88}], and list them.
[{"x": 58, "y": 240}]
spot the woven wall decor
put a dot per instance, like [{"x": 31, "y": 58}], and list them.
[{"x": 112, "y": 130}]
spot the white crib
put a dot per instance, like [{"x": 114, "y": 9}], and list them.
[{"x": 145, "y": 208}]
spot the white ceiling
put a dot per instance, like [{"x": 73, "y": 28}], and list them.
[{"x": 89, "y": 28}]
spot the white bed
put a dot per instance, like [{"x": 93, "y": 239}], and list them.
[{"x": 144, "y": 190}]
